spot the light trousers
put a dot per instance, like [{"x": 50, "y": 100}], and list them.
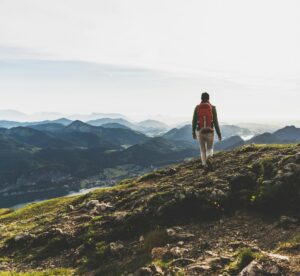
[{"x": 206, "y": 143}]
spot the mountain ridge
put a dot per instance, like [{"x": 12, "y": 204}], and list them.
[{"x": 161, "y": 223}]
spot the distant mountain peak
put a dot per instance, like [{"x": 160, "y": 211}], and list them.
[{"x": 77, "y": 124}]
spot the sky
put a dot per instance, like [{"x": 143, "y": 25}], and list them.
[{"x": 147, "y": 58}]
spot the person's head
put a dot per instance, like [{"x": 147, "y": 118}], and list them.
[{"x": 205, "y": 97}]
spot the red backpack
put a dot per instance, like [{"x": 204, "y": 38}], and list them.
[{"x": 205, "y": 115}]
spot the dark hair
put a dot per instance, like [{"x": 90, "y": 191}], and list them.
[{"x": 205, "y": 97}]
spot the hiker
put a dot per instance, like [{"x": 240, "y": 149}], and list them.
[{"x": 204, "y": 121}]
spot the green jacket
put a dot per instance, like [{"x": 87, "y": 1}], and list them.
[{"x": 215, "y": 121}]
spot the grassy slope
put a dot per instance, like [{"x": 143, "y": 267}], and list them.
[{"x": 153, "y": 202}]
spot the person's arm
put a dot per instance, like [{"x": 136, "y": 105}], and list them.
[
  {"x": 194, "y": 123},
  {"x": 216, "y": 123}
]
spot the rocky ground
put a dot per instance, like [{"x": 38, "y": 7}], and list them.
[{"x": 240, "y": 218}]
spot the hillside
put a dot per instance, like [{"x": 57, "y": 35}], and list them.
[
  {"x": 242, "y": 217},
  {"x": 37, "y": 165}
]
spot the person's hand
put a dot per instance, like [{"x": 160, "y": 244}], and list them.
[
  {"x": 220, "y": 138},
  {"x": 194, "y": 136}
]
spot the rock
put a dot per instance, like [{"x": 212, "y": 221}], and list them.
[
  {"x": 53, "y": 232},
  {"x": 210, "y": 253},
  {"x": 278, "y": 175},
  {"x": 272, "y": 269},
  {"x": 70, "y": 208},
  {"x": 116, "y": 248},
  {"x": 182, "y": 262},
  {"x": 268, "y": 182},
  {"x": 197, "y": 269},
  {"x": 286, "y": 176},
  {"x": 151, "y": 270},
  {"x": 174, "y": 270},
  {"x": 23, "y": 238},
  {"x": 94, "y": 212},
  {"x": 92, "y": 203},
  {"x": 143, "y": 271},
  {"x": 215, "y": 262},
  {"x": 278, "y": 256},
  {"x": 79, "y": 250},
  {"x": 178, "y": 252},
  {"x": 159, "y": 253},
  {"x": 203, "y": 245},
  {"x": 3, "y": 266},
  {"x": 97, "y": 206},
  {"x": 238, "y": 244},
  {"x": 285, "y": 221},
  {"x": 292, "y": 167},
  {"x": 242, "y": 181},
  {"x": 103, "y": 206},
  {"x": 56, "y": 231},
  {"x": 252, "y": 269},
  {"x": 179, "y": 236},
  {"x": 170, "y": 171},
  {"x": 120, "y": 217},
  {"x": 156, "y": 269},
  {"x": 83, "y": 218}
]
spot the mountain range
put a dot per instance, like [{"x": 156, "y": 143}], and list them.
[
  {"x": 53, "y": 158},
  {"x": 45, "y": 160},
  {"x": 233, "y": 136}
]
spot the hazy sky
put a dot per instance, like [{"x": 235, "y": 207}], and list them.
[{"x": 143, "y": 58}]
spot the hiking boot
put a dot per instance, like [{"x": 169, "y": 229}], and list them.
[{"x": 209, "y": 164}]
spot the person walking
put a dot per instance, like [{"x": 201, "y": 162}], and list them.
[{"x": 205, "y": 120}]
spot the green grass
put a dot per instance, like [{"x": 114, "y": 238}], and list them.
[
  {"x": 101, "y": 249},
  {"x": 243, "y": 257},
  {"x": 273, "y": 146},
  {"x": 34, "y": 216},
  {"x": 162, "y": 264},
  {"x": 48, "y": 272},
  {"x": 291, "y": 244},
  {"x": 36, "y": 209},
  {"x": 5, "y": 211}
]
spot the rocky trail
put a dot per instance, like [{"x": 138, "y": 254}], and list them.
[{"x": 240, "y": 218}]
